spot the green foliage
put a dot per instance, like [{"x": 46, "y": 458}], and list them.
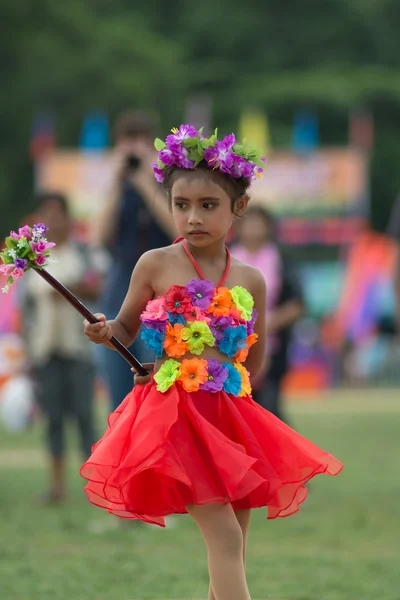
[{"x": 73, "y": 58}]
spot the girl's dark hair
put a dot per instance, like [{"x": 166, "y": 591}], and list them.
[{"x": 235, "y": 188}]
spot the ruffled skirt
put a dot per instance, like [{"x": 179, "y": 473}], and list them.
[{"x": 164, "y": 451}]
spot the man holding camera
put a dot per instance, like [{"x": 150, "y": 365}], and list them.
[{"x": 134, "y": 220}]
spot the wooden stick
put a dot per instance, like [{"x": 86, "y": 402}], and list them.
[{"x": 85, "y": 312}]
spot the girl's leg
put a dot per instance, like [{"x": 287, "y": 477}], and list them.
[
  {"x": 243, "y": 518},
  {"x": 224, "y": 540}
]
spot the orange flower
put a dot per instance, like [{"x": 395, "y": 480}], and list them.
[
  {"x": 174, "y": 346},
  {"x": 246, "y": 387},
  {"x": 221, "y": 303},
  {"x": 236, "y": 314},
  {"x": 251, "y": 339},
  {"x": 241, "y": 355},
  {"x": 193, "y": 372}
]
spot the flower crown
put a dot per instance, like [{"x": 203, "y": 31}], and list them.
[
  {"x": 187, "y": 147},
  {"x": 27, "y": 249}
]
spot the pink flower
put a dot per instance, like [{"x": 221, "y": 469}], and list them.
[
  {"x": 7, "y": 269},
  {"x": 15, "y": 235},
  {"x": 25, "y": 231},
  {"x": 40, "y": 260},
  {"x": 193, "y": 313},
  {"x": 17, "y": 273},
  {"x": 154, "y": 311},
  {"x": 41, "y": 246}
]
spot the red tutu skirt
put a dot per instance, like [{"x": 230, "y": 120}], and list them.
[{"x": 164, "y": 451}]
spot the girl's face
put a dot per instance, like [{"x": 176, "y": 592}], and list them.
[{"x": 202, "y": 210}]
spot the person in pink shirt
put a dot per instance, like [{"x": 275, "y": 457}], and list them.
[{"x": 256, "y": 245}]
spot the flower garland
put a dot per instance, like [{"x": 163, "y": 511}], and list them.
[
  {"x": 27, "y": 249},
  {"x": 189, "y": 318},
  {"x": 187, "y": 147},
  {"x": 205, "y": 375}
]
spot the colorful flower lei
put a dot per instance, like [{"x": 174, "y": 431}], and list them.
[
  {"x": 27, "y": 249},
  {"x": 187, "y": 147},
  {"x": 205, "y": 375},
  {"x": 190, "y": 317}
]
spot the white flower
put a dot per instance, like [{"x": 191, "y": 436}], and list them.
[
  {"x": 5, "y": 289},
  {"x": 12, "y": 253}
]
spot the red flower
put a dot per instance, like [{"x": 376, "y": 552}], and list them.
[{"x": 177, "y": 300}]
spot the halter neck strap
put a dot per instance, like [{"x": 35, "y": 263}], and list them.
[{"x": 196, "y": 266}]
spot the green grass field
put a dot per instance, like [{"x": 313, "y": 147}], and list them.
[{"x": 343, "y": 545}]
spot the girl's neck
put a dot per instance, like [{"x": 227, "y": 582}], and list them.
[{"x": 209, "y": 254}]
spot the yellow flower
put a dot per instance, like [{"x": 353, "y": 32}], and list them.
[{"x": 246, "y": 387}]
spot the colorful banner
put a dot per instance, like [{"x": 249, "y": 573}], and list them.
[
  {"x": 326, "y": 183},
  {"x": 85, "y": 177}
]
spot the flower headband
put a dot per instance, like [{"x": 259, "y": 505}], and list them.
[{"x": 187, "y": 147}]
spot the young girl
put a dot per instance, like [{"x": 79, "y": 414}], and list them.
[{"x": 190, "y": 439}]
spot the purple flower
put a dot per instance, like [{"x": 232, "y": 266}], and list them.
[
  {"x": 167, "y": 157},
  {"x": 184, "y": 132},
  {"x": 242, "y": 168},
  {"x": 221, "y": 156},
  {"x": 218, "y": 326},
  {"x": 21, "y": 263},
  {"x": 201, "y": 291},
  {"x": 39, "y": 230},
  {"x": 217, "y": 374},
  {"x": 181, "y": 158},
  {"x": 157, "y": 325},
  {"x": 250, "y": 324},
  {"x": 158, "y": 173}
]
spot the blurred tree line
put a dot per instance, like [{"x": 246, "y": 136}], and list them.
[{"x": 277, "y": 55}]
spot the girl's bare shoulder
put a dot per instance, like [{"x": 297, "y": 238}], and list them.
[{"x": 157, "y": 258}]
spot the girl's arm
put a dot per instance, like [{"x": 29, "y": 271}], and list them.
[
  {"x": 127, "y": 323},
  {"x": 256, "y": 358}
]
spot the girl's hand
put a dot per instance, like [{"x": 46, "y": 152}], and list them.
[
  {"x": 143, "y": 379},
  {"x": 98, "y": 333}
]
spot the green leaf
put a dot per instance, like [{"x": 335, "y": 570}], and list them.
[
  {"x": 205, "y": 143},
  {"x": 160, "y": 164},
  {"x": 26, "y": 252},
  {"x": 159, "y": 144},
  {"x": 11, "y": 242},
  {"x": 259, "y": 163},
  {"x": 190, "y": 142}
]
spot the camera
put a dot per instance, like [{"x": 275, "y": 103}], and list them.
[{"x": 132, "y": 163}]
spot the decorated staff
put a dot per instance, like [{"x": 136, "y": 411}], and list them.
[{"x": 29, "y": 249}]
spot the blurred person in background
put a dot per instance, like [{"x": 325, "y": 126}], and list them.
[
  {"x": 257, "y": 246},
  {"x": 61, "y": 361},
  {"x": 393, "y": 231},
  {"x": 135, "y": 219}
]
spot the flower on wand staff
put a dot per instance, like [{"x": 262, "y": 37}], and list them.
[{"x": 25, "y": 250}]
